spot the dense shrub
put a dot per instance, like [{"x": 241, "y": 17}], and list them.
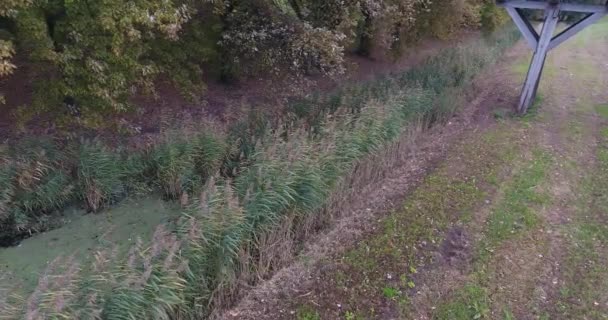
[
  {"x": 259, "y": 38},
  {"x": 491, "y": 17},
  {"x": 92, "y": 56}
]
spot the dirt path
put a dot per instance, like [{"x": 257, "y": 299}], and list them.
[{"x": 509, "y": 222}]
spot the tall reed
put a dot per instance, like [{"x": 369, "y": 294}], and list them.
[{"x": 239, "y": 224}]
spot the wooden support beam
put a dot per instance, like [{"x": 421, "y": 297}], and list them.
[
  {"x": 545, "y": 42},
  {"x": 524, "y": 4},
  {"x": 584, "y": 8},
  {"x": 543, "y": 5},
  {"x": 538, "y": 60},
  {"x": 524, "y": 26},
  {"x": 576, "y": 28}
]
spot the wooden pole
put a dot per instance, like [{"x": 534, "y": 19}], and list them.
[
  {"x": 545, "y": 42},
  {"x": 538, "y": 59}
]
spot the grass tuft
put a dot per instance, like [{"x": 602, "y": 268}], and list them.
[
  {"x": 306, "y": 313},
  {"x": 602, "y": 110},
  {"x": 100, "y": 175},
  {"x": 470, "y": 302}
]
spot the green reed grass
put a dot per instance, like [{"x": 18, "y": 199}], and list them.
[{"x": 253, "y": 181}]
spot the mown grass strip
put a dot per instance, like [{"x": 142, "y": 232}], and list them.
[
  {"x": 585, "y": 271},
  {"x": 515, "y": 214}
]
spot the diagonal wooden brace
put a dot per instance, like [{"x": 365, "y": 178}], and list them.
[
  {"x": 576, "y": 28},
  {"x": 538, "y": 59},
  {"x": 545, "y": 42},
  {"x": 524, "y": 26}
]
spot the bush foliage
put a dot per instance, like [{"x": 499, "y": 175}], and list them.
[
  {"x": 238, "y": 190},
  {"x": 93, "y": 55}
]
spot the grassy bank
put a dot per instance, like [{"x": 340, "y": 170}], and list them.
[
  {"x": 373, "y": 280},
  {"x": 244, "y": 190}
]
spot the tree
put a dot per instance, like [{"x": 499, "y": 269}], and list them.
[
  {"x": 274, "y": 35},
  {"x": 6, "y": 66},
  {"x": 96, "y": 53},
  {"x": 8, "y": 8},
  {"x": 92, "y": 56}
]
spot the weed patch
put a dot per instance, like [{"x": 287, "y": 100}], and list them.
[
  {"x": 390, "y": 293},
  {"x": 602, "y": 110},
  {"x": 307, "y": 313},
  {"x": 470, "y": 302}
]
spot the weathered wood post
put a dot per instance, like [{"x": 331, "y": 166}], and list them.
[{"x": 543, "y": 43}]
